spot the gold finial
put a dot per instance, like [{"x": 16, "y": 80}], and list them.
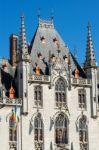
[
  {"x": 11, "y": 92},
  {"x": 76, "y": 73},
  {"x": 37, "y": 70}
]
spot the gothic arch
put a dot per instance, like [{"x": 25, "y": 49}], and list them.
[
  {"x": 79, "y": 117},
  {"x": 61, "y": 129},
  {"x": 60, "y": 77},
  {"x": 38, "y": 132},
  {"x": 33, "y": 117},
  {"x": 82, "y": 128}
]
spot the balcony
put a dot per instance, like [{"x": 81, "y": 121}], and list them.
[
  {"x": 41, "y": 78},
  {"x": 11, "y": 102},
  {"x": 81, "y": 82}
]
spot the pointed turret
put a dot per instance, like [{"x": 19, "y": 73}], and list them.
[
  {"x": 91, "y": 71},
  {"x": 23, "y": 68},
  {"x": 23, "y": 49},
  {"x": 90, "y": 60}
]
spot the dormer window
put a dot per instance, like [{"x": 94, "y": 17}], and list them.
[
  {"x": 53, "y": 58},
  {"x": 43, "y": 40},
  {"x": 65, "y": 57},
  {"x": 39, "y": 55},
  {"x": 55, "y": 40}
]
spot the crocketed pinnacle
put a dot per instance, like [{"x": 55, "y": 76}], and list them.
[
  {"x": 23, "y": 44},
  {"x": 90, "y": 55}
]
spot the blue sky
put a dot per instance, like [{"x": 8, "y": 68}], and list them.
[{"x": 70, "y": 19}]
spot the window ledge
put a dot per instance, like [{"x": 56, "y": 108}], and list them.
[
  {"x": 82, "y": 109},
  {"x": 62, "y": 146},
  {"x": 38, "y": 107}
]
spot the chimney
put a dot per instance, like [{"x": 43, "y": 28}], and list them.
[{"x": 13, "y": 49}]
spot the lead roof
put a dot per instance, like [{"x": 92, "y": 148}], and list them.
[{"x": 47, "y": 31}]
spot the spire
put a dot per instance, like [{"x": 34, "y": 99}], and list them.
[
  {"x": 90, "y": 55},
  {"x": 23, "y": 45}
]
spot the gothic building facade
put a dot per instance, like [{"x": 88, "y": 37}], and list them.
[{"x": 47, "y": 100}]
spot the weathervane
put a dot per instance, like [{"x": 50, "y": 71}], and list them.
[
  {"x": 39, "y": 13},
  {"x": 52, "y": 14}
]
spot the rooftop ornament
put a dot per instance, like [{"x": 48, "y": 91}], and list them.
[
  {"x": 37, "y": 70},
  {"x": 11, "y": 93},
  {"x": 53, "y": 58},
  {"x": 39, "y": 55},
  {"x": 65, "y": 57},
  {"x": 46, "y": 23},
  {"x": 55, "y": 40},
  {"x": 76, "y": 73},
  {"x": 43, "y": 40}
]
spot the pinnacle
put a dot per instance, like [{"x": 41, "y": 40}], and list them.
[{"x": 90, "y": 56}]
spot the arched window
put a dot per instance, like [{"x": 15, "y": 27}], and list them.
[
  {"x": 13, "y": 131},
  {"x": 83, "y": 133},
  {"x": 38, "y": 132},
  {"x": 61, "y": 130},
  {"x": 60, "y": 93},
  {"x": 38, "y": 95}
]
